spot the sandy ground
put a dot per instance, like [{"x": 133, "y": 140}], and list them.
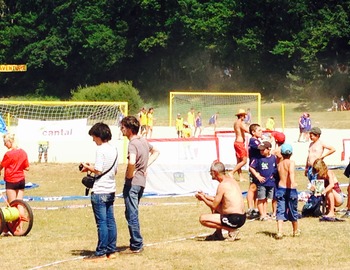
[{"x": 84, "y": 149}]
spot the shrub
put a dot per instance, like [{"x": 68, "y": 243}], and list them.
[{"x": 112, "y": 91}]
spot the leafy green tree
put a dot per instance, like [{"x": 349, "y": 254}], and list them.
[{"x": 117, "y": 91}]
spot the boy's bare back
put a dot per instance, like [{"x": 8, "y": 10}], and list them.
[{"x": 286, "y": 169}]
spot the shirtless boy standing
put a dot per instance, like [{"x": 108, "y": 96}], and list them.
[
  {"x": 227, "y": 206},
  {"x": 286, "y": 193},
  {"x": 316, "y": 150},
  {"x": 241, "y": 151}
]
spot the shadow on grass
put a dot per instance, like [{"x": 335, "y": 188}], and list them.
[
  {"x": 267, "y": 233},
  {"x": 77, "y": 252},
  {"x": 83, "y": 252}
]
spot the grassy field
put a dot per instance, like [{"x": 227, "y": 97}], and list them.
[
  {"x": 64, "y": 231},
  {"x": 292, "y": 111}
]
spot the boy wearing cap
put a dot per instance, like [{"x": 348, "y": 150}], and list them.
[
  {"x": 279, "y": 139},
  {"x": 265, "y": 170},
  {"x": 316, "y": 150},
  {"x": 286, "y": 193},
  {"x": 241, "y": 151}
]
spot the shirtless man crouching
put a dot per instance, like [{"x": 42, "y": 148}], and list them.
[{"x": 227, "y": 205}]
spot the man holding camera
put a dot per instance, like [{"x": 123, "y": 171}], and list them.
[{"x": 103, "y": 192}]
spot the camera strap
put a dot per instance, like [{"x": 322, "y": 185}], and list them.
[{"x": 102, "y": 174}]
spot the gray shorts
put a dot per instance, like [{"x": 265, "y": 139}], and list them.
[{"x": 265, "y": 192}]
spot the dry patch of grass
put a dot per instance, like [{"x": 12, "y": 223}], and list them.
[{"x": 168, "y": 226}]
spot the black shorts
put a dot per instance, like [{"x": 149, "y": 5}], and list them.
[
  {"x": 234, "y": 221},
  {"x": 16, "y": 186}
]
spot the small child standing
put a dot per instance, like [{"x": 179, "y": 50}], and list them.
[
  {"x": 287, "y": 194},
  {"x": 265, "y": 170},
  {"x": 254, "y": 153}
]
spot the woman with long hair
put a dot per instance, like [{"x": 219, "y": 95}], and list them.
[{"x": 332, "y": 191}]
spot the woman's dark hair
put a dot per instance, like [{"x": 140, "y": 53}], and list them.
[
  {"x": 131, "y": 123},
  {"x": 102, "y": 131}
]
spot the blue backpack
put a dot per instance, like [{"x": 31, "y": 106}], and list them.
[{"x": 312, "y": 207}]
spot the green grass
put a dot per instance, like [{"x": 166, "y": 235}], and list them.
[
  {"x": 168, "y": 226},
  {"x": 292, "y": 111}
]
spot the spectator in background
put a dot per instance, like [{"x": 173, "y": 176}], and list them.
[
  {"x": 248, "y": 117},
  {"x": 43, "y": 149},
  {"x": 179, "y": 125},
  {"x": 270, "y": 123},
  {"x": 213, "y": 120},
  {"x": 307, "y": 128},
  {"x": 191, "y": 120},
  {"x": 186, "y": 131},
  {"x": 342, "y": 104},
  {"x": 198, "y": 124},
  {"x": 335, "y": 104},
  {"x": 239, "y": 145},
  {"x": 150, "y": 122},
  {"x": 143, "y": 122},
  {"x": 301, "y": 123}
]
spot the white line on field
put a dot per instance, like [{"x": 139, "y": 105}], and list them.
[{"x": 146, "y": 245}]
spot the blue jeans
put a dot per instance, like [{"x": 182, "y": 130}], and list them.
[
  {"x": 132, "y": 196},
  {"x": 102, "y": 205},
  {"x": 310, "y": 174}
]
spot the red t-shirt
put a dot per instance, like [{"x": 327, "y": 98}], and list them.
[{"x": 15, "y": 162}]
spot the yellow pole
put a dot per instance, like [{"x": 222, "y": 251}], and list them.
[
  {"x": 170, "y": 108},
  {"x": 8, "y": 123}
]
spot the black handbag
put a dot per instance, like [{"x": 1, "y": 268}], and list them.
[{"x": 89, "y": 180}]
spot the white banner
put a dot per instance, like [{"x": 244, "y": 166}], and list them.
[{"x": 51, "y": 130}]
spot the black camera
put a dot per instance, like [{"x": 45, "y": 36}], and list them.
[{"x": 81, "y": 167}]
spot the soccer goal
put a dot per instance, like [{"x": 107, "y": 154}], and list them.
[
  {"x": 107, "y": 112},
  {"x": 209, "y": 103},
  {"x": 62, "y": 127}
]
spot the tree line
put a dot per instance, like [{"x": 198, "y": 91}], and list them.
[{"x": 276, "y": 47}]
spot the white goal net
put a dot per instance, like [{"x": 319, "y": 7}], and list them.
[
  {"x": 63, "y": 127},
  {"x": 107, "y": 112},
  {"x": 209, "y": 103}
]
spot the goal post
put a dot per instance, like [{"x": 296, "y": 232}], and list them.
[
  {"x": 62, "y": 126},
  {"x": 208, "y": 103},
  {"x": 107, "y": 112}
]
